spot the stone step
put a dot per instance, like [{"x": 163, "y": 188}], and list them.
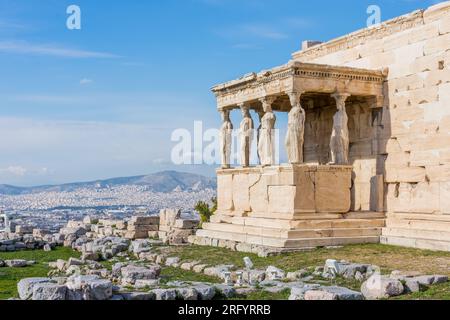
[
  {"x": 419, "y": 216},
  {"x": 339, "y": 224},
  {"x": 297, "y": 233},
  {"x": 301, "y": 224},
  {"x": 329, "y": 242},
  {"x": 424, "y": 244},
  {"x": 286, "y": 243},
  {"x": 417, "y": 234},
  {"x": 431, "y": 225},
  {"x": 335, "y": 233}
]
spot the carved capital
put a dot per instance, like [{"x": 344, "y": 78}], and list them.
[
  {"x": 267, "y": 103},
  {"x": 225, "y": 115},
  {"x": 294, "y": 97},
  {"x": 340, "y": 98}
]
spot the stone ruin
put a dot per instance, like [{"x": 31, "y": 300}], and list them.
[
  {"x": 175, "y": 230},
  {"x": 109, "y": 237}
]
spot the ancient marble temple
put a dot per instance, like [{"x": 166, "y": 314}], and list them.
[{"x": 367, "y": 141}]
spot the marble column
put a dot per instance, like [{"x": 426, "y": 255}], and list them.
[
  {"x": 266, "y": 134},
  {"x": 226, "y": 137},
  {"x": 246, "y": 135},
  {"x": 340, "y": 141},
  {"x": 296, "y": 130}
]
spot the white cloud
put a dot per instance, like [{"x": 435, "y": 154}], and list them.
[
  {"x": 86, "y": 81},
  {"x": 22, "y": 47},
  {"x": 14, "y": 170}
]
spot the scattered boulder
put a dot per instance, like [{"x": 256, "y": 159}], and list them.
[
  {"x": 165, "y": 294},
  {"x": 18, "y": 263},
  {"x": 188, "y": 294},
  {"x": 297, "y": 275},
  {"x": 274, "y": 273},
  {"x": 298, "y": 292},
  {"x": 381, "y": 287},
  {"x": 333, "y": 293},
  {"x": 49, "y": 292},
  {"x": 217, "y": 271},
  {"x": 205, "y": 292},
  {"x": 225, "y": 291},
  {"x": 25, "y": 286},
  {"x": 254, "y": 276},
  {"x": 88, "y": 288},
  {"x": 138, "y": 296},
  {"x": 131, "y": 273},
  {"x": 172, "y": 261}
]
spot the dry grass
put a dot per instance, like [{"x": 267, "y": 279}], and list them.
[{"x": 387, "y": 257}]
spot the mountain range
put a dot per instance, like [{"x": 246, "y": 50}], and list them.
[{"x": 166, "y": 181}]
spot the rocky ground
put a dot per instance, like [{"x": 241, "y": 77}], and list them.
[
  {"x": 149, "y": 270},
  {"x": 102, "y": 260}
]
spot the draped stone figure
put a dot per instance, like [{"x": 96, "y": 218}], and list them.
[
  {"x": 296, "y": 130},
  {"x": 260, "y": 115},
  {"x": 226, "y": 134},
  {"x": 246, "y": 136},
  {"x": 266, "y": 140},
  {"x": 340, "y": 141}
]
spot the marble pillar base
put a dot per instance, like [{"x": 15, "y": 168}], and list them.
[{"x": 288, "y": 207}]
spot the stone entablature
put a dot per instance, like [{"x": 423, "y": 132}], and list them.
[{"x": 302, "y": 78}]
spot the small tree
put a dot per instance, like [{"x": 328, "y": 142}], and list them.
[{"x": 206, "y": 210}]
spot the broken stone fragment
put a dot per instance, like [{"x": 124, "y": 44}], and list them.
[{"x": 381, "y": 287}]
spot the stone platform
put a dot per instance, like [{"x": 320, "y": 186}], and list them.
[
  {"x": 419, "y": 231},
  {"x": 287, "y": 208}
]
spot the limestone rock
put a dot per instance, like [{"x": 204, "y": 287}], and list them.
[
  {"x": 205, "y": 292},
  {"x": 49, "y": 292},
  {"x": 225, "y": 291},
  {"x": 165, "y": 294},
  {"x": 333, "y": 293},
  {"x": 16, "y": 263},
  {"x": 171, "y": 261},
  {"x": 89, "y": 288},
  {"x": 381, "y": 287},
  {"x": 297, "y": 275},
  {"x": 138, "y": 296},
  {"x": 217, "y": 271},
  {"x": 131, "y": 273},
  {"x": 188, "y": 294},
  {"x": 25, "y": 286},
  {"x": 275, "y": 273}
]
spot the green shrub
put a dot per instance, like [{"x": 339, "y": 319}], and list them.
[{"x": 206, "y": 210}]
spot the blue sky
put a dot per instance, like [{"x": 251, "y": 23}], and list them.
[{"x": 103, "y": 101}]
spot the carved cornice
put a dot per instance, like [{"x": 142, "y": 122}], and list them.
[{"x": 295, "y": 70}]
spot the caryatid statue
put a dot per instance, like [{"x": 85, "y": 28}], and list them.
[
  {"x": 266, "y": 134},
  {"x": 226, "y": 137},
  {"x": 296, "y": 130},
  {"x": 340, "y": 140},
  {"x": 258, "y": 131},
  {"x": 246, "y": 135}
]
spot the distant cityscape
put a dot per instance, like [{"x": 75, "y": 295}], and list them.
[{"x": 51, "y": 208}]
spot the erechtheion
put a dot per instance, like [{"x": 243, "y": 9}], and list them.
[{"x": 368, "y": 143}]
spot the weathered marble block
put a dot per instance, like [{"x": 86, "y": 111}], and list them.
[{"x": 284, "y": 191}]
